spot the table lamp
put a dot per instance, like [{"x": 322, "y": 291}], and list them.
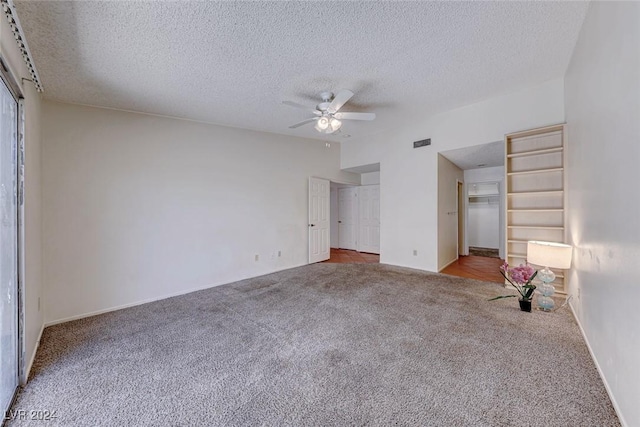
[{"x": 548, "y": 254}]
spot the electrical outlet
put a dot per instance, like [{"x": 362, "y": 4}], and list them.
[
  {"x": 257, "y": 257},
  {"x": 279, "y": 254},
  {"x": 415, "y": 252}
]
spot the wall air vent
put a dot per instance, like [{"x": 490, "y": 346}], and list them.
[{"x": 422, "y": 143}]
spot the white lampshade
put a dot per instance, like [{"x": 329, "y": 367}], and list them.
[{"x": 549, "y": 254}]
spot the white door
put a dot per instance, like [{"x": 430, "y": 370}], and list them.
[
  {"x": 348, "y": 217},
  {"x": 369, "y": 218},
  {"x": 318, "y": 220}
]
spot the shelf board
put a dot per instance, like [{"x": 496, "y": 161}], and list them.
[
  {"x": 536, "y": 133},
  {"x": 524, "y": 241},
  {"x": 534, "y": 193},
  {"x": 518, "y": 255},
  {"x": 535, "y": 152},
  {"x": 536, "y": 210},
  {"x": 544, "y": 227},
  {"x": 536, "y": 171}
]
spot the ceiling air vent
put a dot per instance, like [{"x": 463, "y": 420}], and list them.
[{"x": 422, "y": 143}]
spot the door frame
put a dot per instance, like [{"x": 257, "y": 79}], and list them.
[
  {"x": 501, "y": 216},
  {"x": 8, "y": 78},
  {"x": 331, "y": 180},
  {"x": 461, "y": 195}
]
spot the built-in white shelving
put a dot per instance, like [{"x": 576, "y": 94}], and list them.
[{"x": 535, "y": 183}]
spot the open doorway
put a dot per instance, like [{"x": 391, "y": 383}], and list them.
[
  {"x": 483, "y": 218},
  {"x": 355, "y": 223},
  {"x": 478, "y": 230},
  {"x": 344, "y": 221},
  {"x": 355, "y": 218}
]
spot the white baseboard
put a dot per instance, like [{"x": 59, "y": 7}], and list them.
[
  {"x": 602, "y": 377},
  {"x": 447, "y": 264},
  {"x": 412, "y": 267},
  {"x": 158, "y": 298},
  {"x": 32, "y": 358}
]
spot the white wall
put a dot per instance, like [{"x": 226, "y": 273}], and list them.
[
  {"x": 483, "y": 226},
  {"x": 486, "y": 223},
  {"x": 33, "y": 193},
  {"x": 408, "y": 176},
  {"x": 448, "y": 177},
  {"x": 602, "y": 98},
  {"x": 370, "y": 178},
  {"x": 139, "y": 207}
]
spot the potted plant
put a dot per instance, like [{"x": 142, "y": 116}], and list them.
[{"x": 520, "y": 278}]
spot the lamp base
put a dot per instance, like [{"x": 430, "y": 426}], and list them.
[{"x": 545, "y": 302}]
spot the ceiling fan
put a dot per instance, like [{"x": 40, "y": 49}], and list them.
[{"x": 328, "y": 118}]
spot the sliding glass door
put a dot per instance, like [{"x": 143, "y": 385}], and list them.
[{"x": 9, "y": 304}]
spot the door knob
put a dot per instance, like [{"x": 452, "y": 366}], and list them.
[{"x": 312, "y": 225}]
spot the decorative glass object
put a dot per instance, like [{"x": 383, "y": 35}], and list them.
[
  {"x": 548, "y": 254},
  {"x": 546, "y": 289}
]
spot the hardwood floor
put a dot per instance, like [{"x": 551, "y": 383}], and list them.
[
  {"x": 345, "y": 256},
  {"x": 472, "y": 267},
  {"x": 476, "y": 267}
]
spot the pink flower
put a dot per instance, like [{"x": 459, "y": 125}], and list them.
[
  {"x": 522, "y": 274},
  {"x": 505, "y": 267},
  {"x": 520, "y": 278}
]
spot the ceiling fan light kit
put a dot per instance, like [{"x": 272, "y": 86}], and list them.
[
  {"x": 327, "y": 124},
  {"x": 328, "y": 119}
]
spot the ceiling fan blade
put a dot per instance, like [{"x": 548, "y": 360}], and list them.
[
  {"x": 297, "y": 125},
  {"x": 296, "y": 105},
  {"x": 339, "y": 100},
  {"x": 355, "y": 116}
]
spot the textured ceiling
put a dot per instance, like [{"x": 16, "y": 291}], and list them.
[
  {"x": 233, "y": 63},
  {"x": 477, "y": 156}
]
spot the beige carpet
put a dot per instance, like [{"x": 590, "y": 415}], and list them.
[{"x": 326, "y": 344}]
